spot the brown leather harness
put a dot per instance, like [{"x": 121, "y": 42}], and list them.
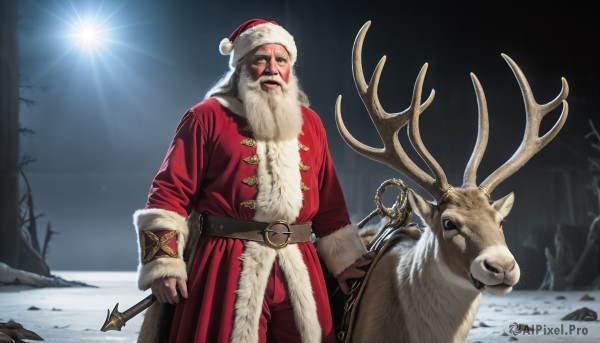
[{"x": 394, "y": 231}]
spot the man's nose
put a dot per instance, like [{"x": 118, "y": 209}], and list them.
[{"x": 272, "y": 66}]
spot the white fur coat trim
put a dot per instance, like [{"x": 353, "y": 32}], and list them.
[
  {"x": 233, "y": 104},
  {"x": 301, "y": 295},
  {"x": 279, "y": 181},
  {"x": 153, "y": 317},
  {"x": 341, "y": 248},
  {"x": 158, "y": 219},
  {"x": 279, "y": 193},
  {"x": 257, "y": 261}
]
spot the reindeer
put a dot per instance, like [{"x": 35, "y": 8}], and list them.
[{"x": 429, "y": 289}]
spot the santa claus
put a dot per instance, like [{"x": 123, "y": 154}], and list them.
[{"x": 246, "y": 191}]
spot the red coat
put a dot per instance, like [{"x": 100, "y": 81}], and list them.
[
  {"x": 204, "y": 170},
  {"x": 213, "y": 167}
]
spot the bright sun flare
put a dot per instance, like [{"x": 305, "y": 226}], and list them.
[{"x": 88, "y": 34}]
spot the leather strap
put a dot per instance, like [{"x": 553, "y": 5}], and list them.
[
  {"x": 386, "y": 239},
  {"x": 276, "y": 234}
]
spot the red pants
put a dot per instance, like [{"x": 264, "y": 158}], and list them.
[{"x": 277, "y": 318}]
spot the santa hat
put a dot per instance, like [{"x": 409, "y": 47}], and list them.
[{"x": 252, "y": 34}]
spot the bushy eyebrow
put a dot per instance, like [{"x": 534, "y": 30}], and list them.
[{"x": 260, "y": 53}]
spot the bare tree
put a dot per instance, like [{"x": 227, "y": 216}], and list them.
[
  {"x": 563, "y": 268},
  {"x": 18, "y": 248},
  {"x": 595, "y": 144},
  {"x": 9, "y": 134}
]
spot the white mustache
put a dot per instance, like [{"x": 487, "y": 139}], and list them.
[
  {"x": 277, "y": 78},
  {"x": 255, "y": 84}
]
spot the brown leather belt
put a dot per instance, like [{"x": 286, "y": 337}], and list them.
[{"x": 276, "y": 234}]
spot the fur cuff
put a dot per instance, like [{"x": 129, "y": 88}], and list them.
[
  {"x": 341, "y": 248},
  {"x": 158, "y": 219}
]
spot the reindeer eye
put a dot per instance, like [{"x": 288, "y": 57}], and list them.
[{"x": 449, "y": 225}]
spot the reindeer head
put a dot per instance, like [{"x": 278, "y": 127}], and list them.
[
  {"x": 468, "y": 231},
  {"x": 466, "y": 224}
]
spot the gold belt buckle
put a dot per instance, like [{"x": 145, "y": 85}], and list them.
[{"x": 268, "y": 232}]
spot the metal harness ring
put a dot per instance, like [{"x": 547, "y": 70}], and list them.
[{"x": 398, "y": 213}]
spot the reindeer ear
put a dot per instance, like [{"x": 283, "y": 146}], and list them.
[
  {"x": 422, "y": 207},
  {"x": 504, "y": 205}
]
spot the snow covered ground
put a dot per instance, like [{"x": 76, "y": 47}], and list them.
[
  {"x": 540, "y": 310},
  {"x": 76, "y": 314},
  {"x": 68, "y": 315}
]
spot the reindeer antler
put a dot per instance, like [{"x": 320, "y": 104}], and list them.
[
  {"x": 388, "y": 125},
  {"x": 470, "y": 176},
  {"x": 532, "y": 143}
]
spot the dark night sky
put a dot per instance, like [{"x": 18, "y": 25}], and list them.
[{"x": 103, "y": 120}]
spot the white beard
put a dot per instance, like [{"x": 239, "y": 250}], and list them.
[{"x": 273, "y": 115}]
